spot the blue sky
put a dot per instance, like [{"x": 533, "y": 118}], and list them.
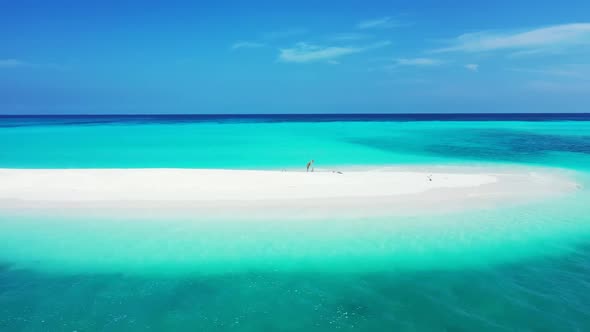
[{"x": 294, "y": 57}]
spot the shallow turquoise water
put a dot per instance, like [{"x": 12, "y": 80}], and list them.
[
  {"x": 518, "y": 268},
  {"x": 288, "y": 144}
]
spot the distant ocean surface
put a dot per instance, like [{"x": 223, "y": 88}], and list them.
[{"x": 524, "y": 268}]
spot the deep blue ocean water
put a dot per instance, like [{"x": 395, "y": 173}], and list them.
[
  {"x": 31, "y": 120},
  {"x": 524, "y": 268}
]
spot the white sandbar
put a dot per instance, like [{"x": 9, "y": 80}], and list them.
[{"x": 275, "y": 193}]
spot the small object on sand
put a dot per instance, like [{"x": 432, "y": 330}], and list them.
[{"x": 429, "y": 177}]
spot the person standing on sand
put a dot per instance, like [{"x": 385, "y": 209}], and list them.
[{"x": 310, "y": 164}]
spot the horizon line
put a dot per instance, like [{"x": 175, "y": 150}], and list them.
[{"x": 290, "y": 114}]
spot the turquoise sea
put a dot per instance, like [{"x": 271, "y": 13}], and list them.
[{"x": 517, "y": 268}]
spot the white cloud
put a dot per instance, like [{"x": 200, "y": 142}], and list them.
[
  {"x": 246, "y": 44},
  {"x": 378, "y": 23},
  {"x": 303, "y": 52},
  {"x": 472, "y": 66},
  {"x": 535, "y": 40},
  {"x": 11, "y": 63},
  {"x": 349, "y": 36},
  {"x": 571, "y": 71},
  {"x": 535, "y": 51},
  {"x": 15, "y": 63},
  {"x": 418, "y": 62},
  {"x": 285, "y": 33},
  {"x": 559, "y": 87}
]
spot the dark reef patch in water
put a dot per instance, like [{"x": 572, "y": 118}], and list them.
[{"x": 483, "y": 144}]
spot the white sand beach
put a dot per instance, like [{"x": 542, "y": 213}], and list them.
[{"x": 244, "y": 193}]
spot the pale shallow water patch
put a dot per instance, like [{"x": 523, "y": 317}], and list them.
[{"x": 213, "y": 246}]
